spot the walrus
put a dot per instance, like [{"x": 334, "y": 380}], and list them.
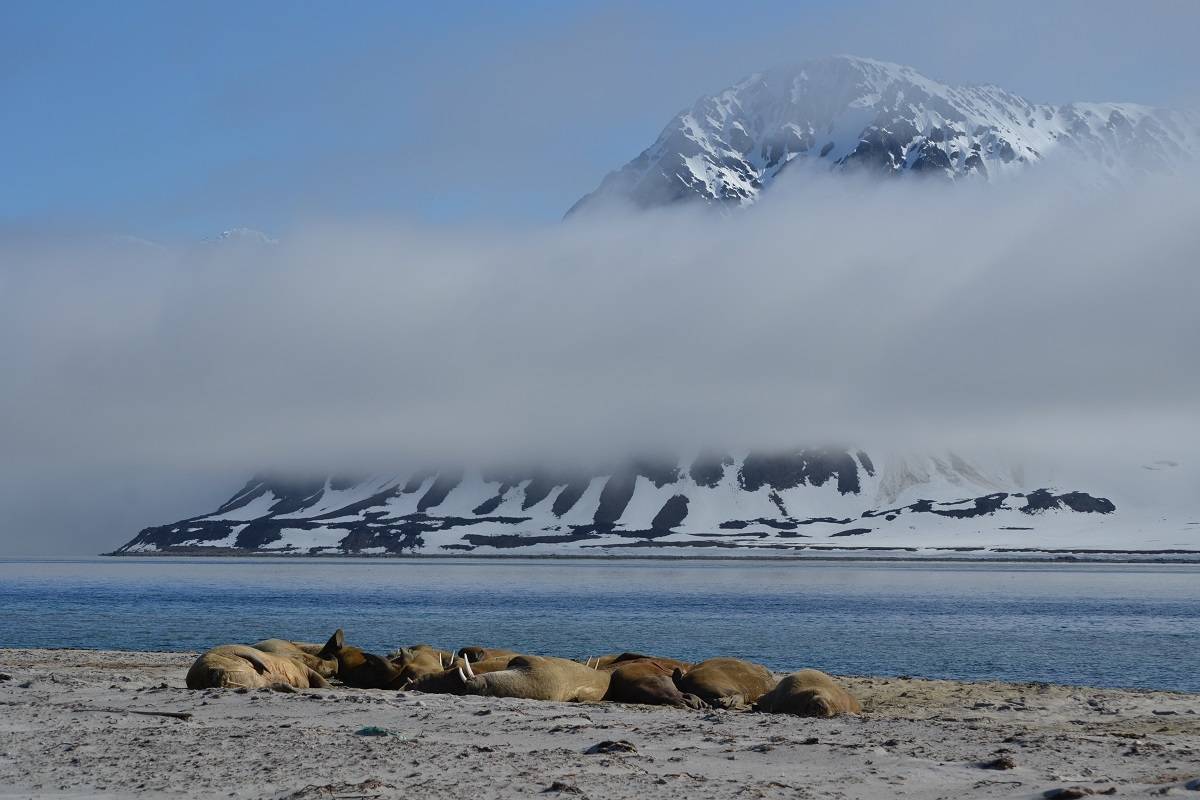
[
  {"x": 725, "y": 682},
  {"x": 477, "y": 653},
  {"x": 808, "y": 693},
  {"x": 310, "y": 654},
  {"x": 417, "y": 662},
  {"x": 408, "y": 651},
  {"x": 647, "y": 681},
  {"x": 239, "y": 666},
  {"x": 611, "y": 662},
  {"x": 452, "y": 680},
  {"x": 538, "y": 678},
  {"x": 360, "y": 669}
]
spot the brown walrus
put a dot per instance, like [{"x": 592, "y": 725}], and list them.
[
  {"x": 311, "y": 655},
  {"x": 808, "y": 693},
  {"x": 239, "y": 666},
  {"x": 363, "y": 670},
  {"x": 726, "y": 682},
  {"x": 616, "y": 659},
  {"x": 647, "y": 681},
  {"x": 539, "y": 678},
  {"x": 477, "y": 653}
]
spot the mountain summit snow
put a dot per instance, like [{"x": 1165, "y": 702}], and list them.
[{"x": 844, "y": 113}]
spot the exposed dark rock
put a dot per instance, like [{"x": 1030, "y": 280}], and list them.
[
  {"x": 709, "y": 468},
  {"x": 507, "y": 541},
  {"x": 777, "y": 524},
  {"x": 442, "y": 486},
  {"x": 538, "y": 488},
  {"x": 1043, "y": 500},
  {"x": 659, "y": 471},
  {"x": 415, "y": 482},
  {"x": 372, "y": 502},
  {"x": 569, "y": 496},
  {"x": 988, "y": 504},
  {"x": 789, "y": 470},
  {"x": 931, "y": 159},
  {"x": 492, "y": 503},
  {"x": 879, "y": 150},
  {"x": 614, "y": 498},
  {"x": 672, "y": 514}
]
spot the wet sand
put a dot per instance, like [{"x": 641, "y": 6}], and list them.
[{"x": 67, "y": 730}]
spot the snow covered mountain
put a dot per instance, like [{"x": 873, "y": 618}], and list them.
[
  {"x": 806, "y": 502},
  {"x": 845, "y": 113}
]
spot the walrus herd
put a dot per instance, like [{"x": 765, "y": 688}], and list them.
[{"x": 729, "y": 683}]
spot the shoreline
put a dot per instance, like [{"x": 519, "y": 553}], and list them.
[
  {"x": 83, "y": 723},
  {"x": 836, "y": 555}
]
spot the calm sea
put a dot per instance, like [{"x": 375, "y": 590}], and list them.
[{"x": 1118, "y": 625}]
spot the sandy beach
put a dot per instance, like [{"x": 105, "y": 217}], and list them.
[{"x": 68, "y": 729}]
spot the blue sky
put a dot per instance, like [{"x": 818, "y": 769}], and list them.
[{"x": 172, "y": 121}]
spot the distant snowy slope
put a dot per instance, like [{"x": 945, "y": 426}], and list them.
[
  {"x": 844, "y": 112},
  {"x": 790, "y": 502}
]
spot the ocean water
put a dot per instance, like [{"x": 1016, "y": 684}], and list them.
[{"x": 1100, "y": 625}]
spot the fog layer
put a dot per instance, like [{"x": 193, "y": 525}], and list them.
[{"x": 1031, "y": 316}]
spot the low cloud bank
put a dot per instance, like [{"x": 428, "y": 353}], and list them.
[{"x": 1030, "y": 317}]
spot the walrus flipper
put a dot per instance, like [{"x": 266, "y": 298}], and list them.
[{"x": 251, "y": 656}]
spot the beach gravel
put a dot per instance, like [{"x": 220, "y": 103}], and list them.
[{"x": 68, "y": 728}]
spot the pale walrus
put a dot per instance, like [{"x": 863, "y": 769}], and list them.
[
  {"x": 238, "y": 666},
  {"x": 407, "y": 652},
  {"x": 808, "y": 693},
  {"x": 421, "y": 660},
  {"x": 453, "y": 679},
  {"x": 539, "y": 678},
  {"x": 311, "y": 655},
  {"x": 726, "y": 682}
]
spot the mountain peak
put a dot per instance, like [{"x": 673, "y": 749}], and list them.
[{"x": 845, "y": 112}]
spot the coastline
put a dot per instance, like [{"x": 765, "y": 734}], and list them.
[
  {"x": 70, "y": 728},
  {"x": 864, "y": 554}
]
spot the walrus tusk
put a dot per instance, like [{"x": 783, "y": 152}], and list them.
[
  {"x": 467, "y": 666},
  {"x": 461, "y": 677}
]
